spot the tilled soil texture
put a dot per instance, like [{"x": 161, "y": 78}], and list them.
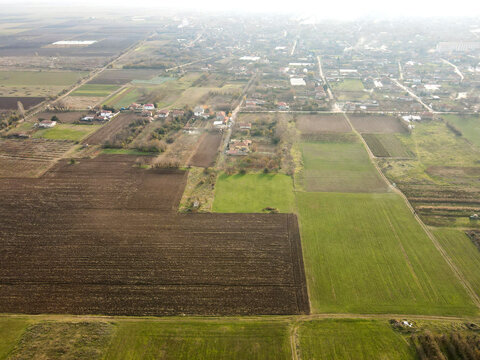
[
  {"x": 11, "y": 103},
  {"x": 335, "y": 123},
  {"x": 107, "y": 133},
  {"x": 103, "y": 237},
  {"x": 29, "y": 157},
  {"x": 207, "y": 150},
  {"x": 382, "y": 124}
]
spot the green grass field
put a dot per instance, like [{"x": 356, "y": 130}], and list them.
[
  {"x": 192, "y": 339},
  {"x": 250, "y": 193},
  {"x": 66, "y": 132},
  {"x": 352, "y": 340},
  {"x": 463, "y": 252},
  {"x": 469, "y": 125},
  {"x": 95, "y": 90},
  {"x": 338, "y": 167},
  {"x": 365, "y": 253},
  {"x": 11, "y": 330},
  {"x": 53, "y": 78},
  {"x": 124, "y": 98},
  {"x": 348, "y": 85}
]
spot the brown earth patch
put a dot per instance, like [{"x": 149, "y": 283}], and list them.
[
  {"x": 376, "y": 124},
  {"x": 10, "y": 103},
  {"x": 103, "y": 237},
  {"x": 207, "y": 150},
  {"x": 322, "y": 123}
]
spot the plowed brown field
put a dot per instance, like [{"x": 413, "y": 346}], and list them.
[{"x": 104, "y": 237}]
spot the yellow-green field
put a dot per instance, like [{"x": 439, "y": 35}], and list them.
[{"x": 366, "y": 253}]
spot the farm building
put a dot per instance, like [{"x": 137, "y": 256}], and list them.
[
  {"x": 163, "y": 113},
  {"x": 46, "y": 124}
]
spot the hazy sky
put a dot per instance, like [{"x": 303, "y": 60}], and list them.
[{"x": 342, "y": 9}]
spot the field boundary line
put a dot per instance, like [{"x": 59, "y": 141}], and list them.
[{"x": 467, "y": 286}]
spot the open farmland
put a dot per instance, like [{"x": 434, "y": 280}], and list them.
[
  {"x": 366, "y": 253},
  {"x": 309, "y": 124},
  {"x": 137, "y": 256},
  {"x": 376, "y": 124},
  {"x": 67, "y": 117},
  {"x": 338, "y": 167},
  {"x": 251, "y": 193},
  {"x": 107, "y": 132},
  {"x": 207, "y": 150},
  {"x": 29, "y": 157},
  {"x": 95, "y": 90},
  {"x": 463, "y": 252},
  {"x": 387, "y": 145},
  {"x": 442, "y": 181},
  {"x": 346, "y": 339},
  {"x": 72, "y": 132},
  {"x": 11, "y": 103},
  {"x": 122, "y": 76},
  {"x": 469, "y": 125},
  {"x": 197, "y": 339}
]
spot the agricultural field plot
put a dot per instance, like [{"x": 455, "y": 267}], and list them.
[
  {"x": 350, "y": 90},
  {"x": 122, "y": 76},
  {"x": 352, "y": 339},
  {"x": 338, "y": 167},
  {"x": 197, "y": 339},
  {"x": 123, "y": 250},
  {"x": 387, "y": 145},
  {"x": 108, "y": 131},
  {"x": 68, "y": 117},
  {"x": 310, "y": 124},
  {"x": 376, "y": 124},
  {"x": 468, "y": 125},
  {"x": 72, "y": 132},
  {"x": 366, "y": 253},
  {"x": 11, "y": 331},
  {"x": 81, "y": 102},
  {"x": 463, "y": 252},
  {"x": 125, "y": 97},
  {"x": 95, "y": 90},
  {"x": 36, "y": 83},
  {"x": 29, "y": 157},
  {"x": 62, "y": 339},
  {"x": 252, "y": 193},
  {"x": 442, "y": 181},
  {"x": 207, "y": 151},
  {"x": 348, "y": 85},
  {"x": 11, "y": 103}
]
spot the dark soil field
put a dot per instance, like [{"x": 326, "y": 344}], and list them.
[
  {"x": 376, "y": 124},
  {"x": 65, "y": 117},
  {"x": 207, "y": 150},
  {"x": 114, "y": 126},
  {"x": 10, "y": 103},
  {"x": 103, "y": 237},
  {"x": 29, "y": 157},
  {"x": 309, "y": 124},
  {"x": 123, "y": 76}
]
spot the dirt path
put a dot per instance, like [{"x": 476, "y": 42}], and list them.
[
  {"x": 294, "y": 344},
  {"x": 456, "y": 271}
]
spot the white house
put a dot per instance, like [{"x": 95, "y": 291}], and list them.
[{"x": 46, "y": 124}]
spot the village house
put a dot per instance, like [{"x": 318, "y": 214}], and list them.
[
  {"x": 178, "y": 113},
  {"x": 198, "y": 111},
  {"x": 163, "y": 114},
  {"x": 245, "y": 126},
  {"x": 149, "y": 107},
  {"x": 283, "y": 106},
  {"x": 239, "y": 147}
]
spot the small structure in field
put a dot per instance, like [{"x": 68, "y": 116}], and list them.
[
  {"x": 163, "y": 114},
  {"x": 239, "y": 147},
  {"x": 245, "y": 126},
  {"x": 46, "y": 124}
]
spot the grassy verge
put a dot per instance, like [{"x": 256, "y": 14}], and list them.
[{"x": 11, "y": 330}]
